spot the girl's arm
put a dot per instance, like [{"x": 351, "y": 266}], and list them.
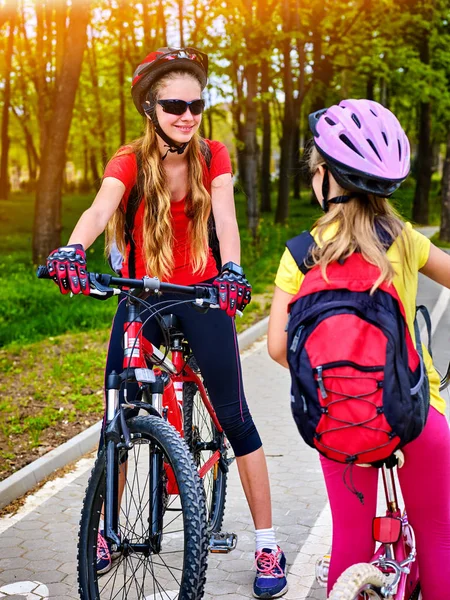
[
  {"x": 224, "y": 211},
  {"x": 277, "y": 335},
  {"x": 94, "y": 220},
  {"x": 437, "y": 266}
]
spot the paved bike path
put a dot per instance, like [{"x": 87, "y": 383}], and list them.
[{"x": 38, "y": 548}]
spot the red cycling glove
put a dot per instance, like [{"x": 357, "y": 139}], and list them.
[
  {"x": 235, "y": 292},
  {"x": 67, "y": 267}
]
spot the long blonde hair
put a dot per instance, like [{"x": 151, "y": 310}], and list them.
[
  {"x": 158, "y": 235},
  {"x": 355, "y": 231}
]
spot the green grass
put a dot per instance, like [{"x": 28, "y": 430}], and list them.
[{"x": 33, "y": 309}]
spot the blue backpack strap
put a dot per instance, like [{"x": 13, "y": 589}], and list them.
[
  {"x": 423, "y": 310},
  {"x": 300, "y": 247}
]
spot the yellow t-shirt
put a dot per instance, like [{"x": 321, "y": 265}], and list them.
[{"x": 289, "y": 278}]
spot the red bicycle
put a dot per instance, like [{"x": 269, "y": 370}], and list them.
[{"x": 158, "y": 498}]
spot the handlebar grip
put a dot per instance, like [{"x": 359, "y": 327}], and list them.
[{"x": 42, "y": 272}]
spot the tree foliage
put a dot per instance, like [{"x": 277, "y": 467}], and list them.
[{"x": 271, "y": 63}]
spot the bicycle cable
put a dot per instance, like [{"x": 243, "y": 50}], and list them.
[{"x": 155, "y": 313}]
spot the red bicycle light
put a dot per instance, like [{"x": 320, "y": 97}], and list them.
[{"x": 386, "y": 530}]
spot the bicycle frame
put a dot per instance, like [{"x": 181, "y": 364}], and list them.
[
  {"x": 396, "y": 555},
  {"x": 166, "y": 402}
]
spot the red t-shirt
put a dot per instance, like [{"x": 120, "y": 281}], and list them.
[{"x": 124, "y": 168}]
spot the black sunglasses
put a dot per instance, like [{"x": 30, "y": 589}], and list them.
[{"x": 179, "y": 107}]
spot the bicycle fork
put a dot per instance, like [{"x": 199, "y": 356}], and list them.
[{"x": 116, "y": 428}]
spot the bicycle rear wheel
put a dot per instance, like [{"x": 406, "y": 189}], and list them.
[
  {"x": 203, "y": 440},
  {"x": 359, "y": 582},
  {"x": 177, "y": 569}
]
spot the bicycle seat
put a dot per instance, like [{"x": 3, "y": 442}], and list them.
[{"x": 172, "y": 322}]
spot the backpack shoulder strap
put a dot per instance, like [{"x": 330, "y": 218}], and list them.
[
  {"x": 134, "y": 200},
  {"x": 213, "y": 240},
  {"x": 423, "y": 310},
  {"x": 206, "y": 152},
  {"x": 300, "y": 247}
]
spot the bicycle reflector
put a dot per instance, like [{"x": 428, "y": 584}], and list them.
[{"x": 386, "y": 530}]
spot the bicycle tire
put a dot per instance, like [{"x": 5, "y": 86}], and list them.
[
  {"x": 359, "y": 579},
  {"x": 199, "y": 427},
  {"x": 181, "y": 564}
]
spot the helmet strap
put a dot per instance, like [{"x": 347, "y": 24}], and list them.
[
  {"x": 326, "y": 190},
  {"x": 170, "y": 144}
]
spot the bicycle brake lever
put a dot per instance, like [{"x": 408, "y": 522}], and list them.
[{"x": 99, "y": 291}]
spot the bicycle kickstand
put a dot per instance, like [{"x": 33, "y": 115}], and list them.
[{"x": 221, "y": 542}]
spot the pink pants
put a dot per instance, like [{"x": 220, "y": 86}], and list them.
[{"x": 425, "y": 484}]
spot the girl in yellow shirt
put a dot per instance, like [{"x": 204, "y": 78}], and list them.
[{"x": 359, "y": 158}]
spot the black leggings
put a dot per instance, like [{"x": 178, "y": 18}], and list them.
[{"x": 212, "y": 337}]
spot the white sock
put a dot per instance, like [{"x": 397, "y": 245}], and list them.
[{"x": 265, "y": 538}]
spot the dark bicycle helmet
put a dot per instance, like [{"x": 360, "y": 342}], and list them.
[
  {"x": 363, "y": 145},
  {"x": 156, "y": 65}
]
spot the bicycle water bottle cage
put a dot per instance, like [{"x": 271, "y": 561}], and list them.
[{"x": 222, "y": 543}]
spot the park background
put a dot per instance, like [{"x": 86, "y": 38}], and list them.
[{"x": 65, "y": 108}]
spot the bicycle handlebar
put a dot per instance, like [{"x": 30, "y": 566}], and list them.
[{"x": 100, "y": 283}]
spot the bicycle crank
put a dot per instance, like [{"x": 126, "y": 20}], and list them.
[{"x": 222, "y": 543}]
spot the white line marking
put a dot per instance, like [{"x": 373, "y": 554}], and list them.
[
  {"x": 47, "y": 491},
  {"x": 437, "y": 312}
]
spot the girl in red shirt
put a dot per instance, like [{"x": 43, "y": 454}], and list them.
[{"x": 180, "y": 180}]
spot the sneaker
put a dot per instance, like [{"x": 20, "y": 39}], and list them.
[
  {"x": 270, "y": 580},
  {"x": 104, "y": 554},
  {"x": 104, "y": 560}
]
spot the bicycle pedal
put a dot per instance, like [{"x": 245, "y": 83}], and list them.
[{"x": 222, "y": 543}]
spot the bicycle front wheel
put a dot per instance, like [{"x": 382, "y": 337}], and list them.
[
  {"x": 359, "y": 582},
  {"x": 175, "y": 566},
  {"x": 204, "y": 440}
]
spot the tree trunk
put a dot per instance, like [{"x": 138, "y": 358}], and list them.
[
  {"x": 296, "y": 157},
  {"x": 162, "y": 26},
  {"x": 47, "y": 216},
  {"x": 121, "y": 82},
  {"x": 251, "y": 149},
  {"x": 146, "y": 22},
  {"x": 100, "y": 133},
  {"x": 32, "y": 155},
  {"x": 370, "y": 87},
  {"x": 287, "y": 139},
  {"x": 236, "y": 109},
  {"x": 181, "y": 22},
  {"x": 444, "y": 233},
  {"x": 424, "y": 149},
  {"x": 424, "y": 166},
  {"x": 4, "y": 178},
  {"x": 266, "y": 205},
  {"x": 94, "y": 169}
]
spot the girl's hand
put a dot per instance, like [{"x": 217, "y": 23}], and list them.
[
  {"x": 235, "y": 292},
  {"x": 67, "y": 268}
]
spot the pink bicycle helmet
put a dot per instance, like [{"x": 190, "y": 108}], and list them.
[{"x": 363, "y": 145}]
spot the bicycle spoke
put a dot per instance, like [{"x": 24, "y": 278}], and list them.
[{"x": 151, "y": 566}]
